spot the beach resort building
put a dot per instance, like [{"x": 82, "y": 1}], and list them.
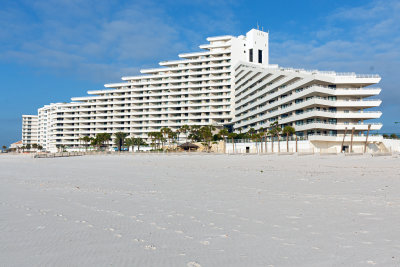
[
  {"x": 325, "y": 107},
  {"x": 229, "y": 83},
  {"x": 29, "y": 129}
]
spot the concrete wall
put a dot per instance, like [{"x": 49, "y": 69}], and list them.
[
  {"x": 393, "y": 145},
  {"x": 303, "y": 146},
  {"x": 307, "y": 146}
]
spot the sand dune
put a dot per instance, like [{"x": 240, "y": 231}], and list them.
[{"x": 200, "y": 210}]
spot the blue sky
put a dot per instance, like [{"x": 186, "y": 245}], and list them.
[{"x": 52, "y": 50}]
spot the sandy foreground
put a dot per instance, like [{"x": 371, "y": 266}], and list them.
[{"x": 200, "y": 210}]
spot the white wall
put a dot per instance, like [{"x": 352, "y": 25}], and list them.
[
  {"x": 302, "y": 146},
  {"x": 392, "y": 145},
  {"x": 310, "y": 146}
]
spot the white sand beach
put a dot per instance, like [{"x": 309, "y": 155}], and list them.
[{"x": 200, "y": 210}]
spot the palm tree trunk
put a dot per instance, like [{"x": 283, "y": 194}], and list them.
[
  {"x": 233, "y": 147},
  {"x": 272, "y": 147},
  {"x": 224, "y": 145},
  {"x": 296, "y": 143},
  {"x": 279, "y": 144},
  {"x": 266, "y": 144},
  {"x": 287, "y": 142}
]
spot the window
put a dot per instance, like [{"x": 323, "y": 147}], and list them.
[
  {"x": 251, "y": 55},
  {"x": 260, "y": 56}
]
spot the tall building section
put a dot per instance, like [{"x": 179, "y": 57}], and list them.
[
  {"x": 228, "y": 83},
  {"x": 195, "y": 90},
  {"x": 47, "y": 122},
  {"x": 29, "y": 129},
  {"x": 320, "y": 105}
]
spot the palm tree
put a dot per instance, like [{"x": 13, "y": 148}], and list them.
[
  {"x": 288, "y": 130},
  {"x": 119, "y": 139},
  {"x": 39, "y": 147},
  {"x": 28, "y": 146},
  {"x": 206, "y": 135},
  {"x": 251, "y": 132},
  {"x": 274, "y": 131},
  {"x": 185, "y": 129},
  {"x": 261, "y": 132},
  {"x": 177, "y": 133},
  {"x": 129, "y": 143},
  {"x": 224, "y": 133},
  {"x": 4, "y": 148},
  {"x": 232, "y": 136},
  {"x": 101, "y": 139},
  {"x": 164, "y": 131},
  {"x": 86, "y": 140},
  {"x": 34, "y": 146},
  {"x": 195, "y": 133},
  {"x": 152, "y": 136},
  {"x": 139, "y": 142},
  {"x": 171, "y": 137}
]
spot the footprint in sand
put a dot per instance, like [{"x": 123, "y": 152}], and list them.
[
  {"x": 150, "y": 247},
  {"x": 367, "y": 243},
  {"x": 205, "y": 243},
  {"x": 193, "y": 264},
  {"x": 365, "y": 214}
]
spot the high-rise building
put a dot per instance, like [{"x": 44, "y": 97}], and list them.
[
  {"x": 29, "y": 129},
  {"x": 322, "y": 105},
  {"x": 47, "y": 121},
  {"x": 229, "y": 83}
]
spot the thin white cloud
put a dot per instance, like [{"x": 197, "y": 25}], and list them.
[
  {"x": 363, "y": 39},
  {"x": 95, "y": 39}
]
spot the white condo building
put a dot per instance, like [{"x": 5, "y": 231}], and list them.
[
  {"x": 322, "y": 105},
  {"x": 228, "y": 83},
  {"x": 29, "y": 129}
]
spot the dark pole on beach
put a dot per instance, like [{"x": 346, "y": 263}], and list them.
[
  {"x": 366, "y": 139},
  {"x": 344, "y": 136},
  {"x": 351, "y": 143}
]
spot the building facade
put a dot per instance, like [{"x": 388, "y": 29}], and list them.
[
  {"x": 229, "y": 83},
  {"x": 322, "y": 106},
  {"x": 29, "y": 129},
  {"x": 47, "y": 123}
]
